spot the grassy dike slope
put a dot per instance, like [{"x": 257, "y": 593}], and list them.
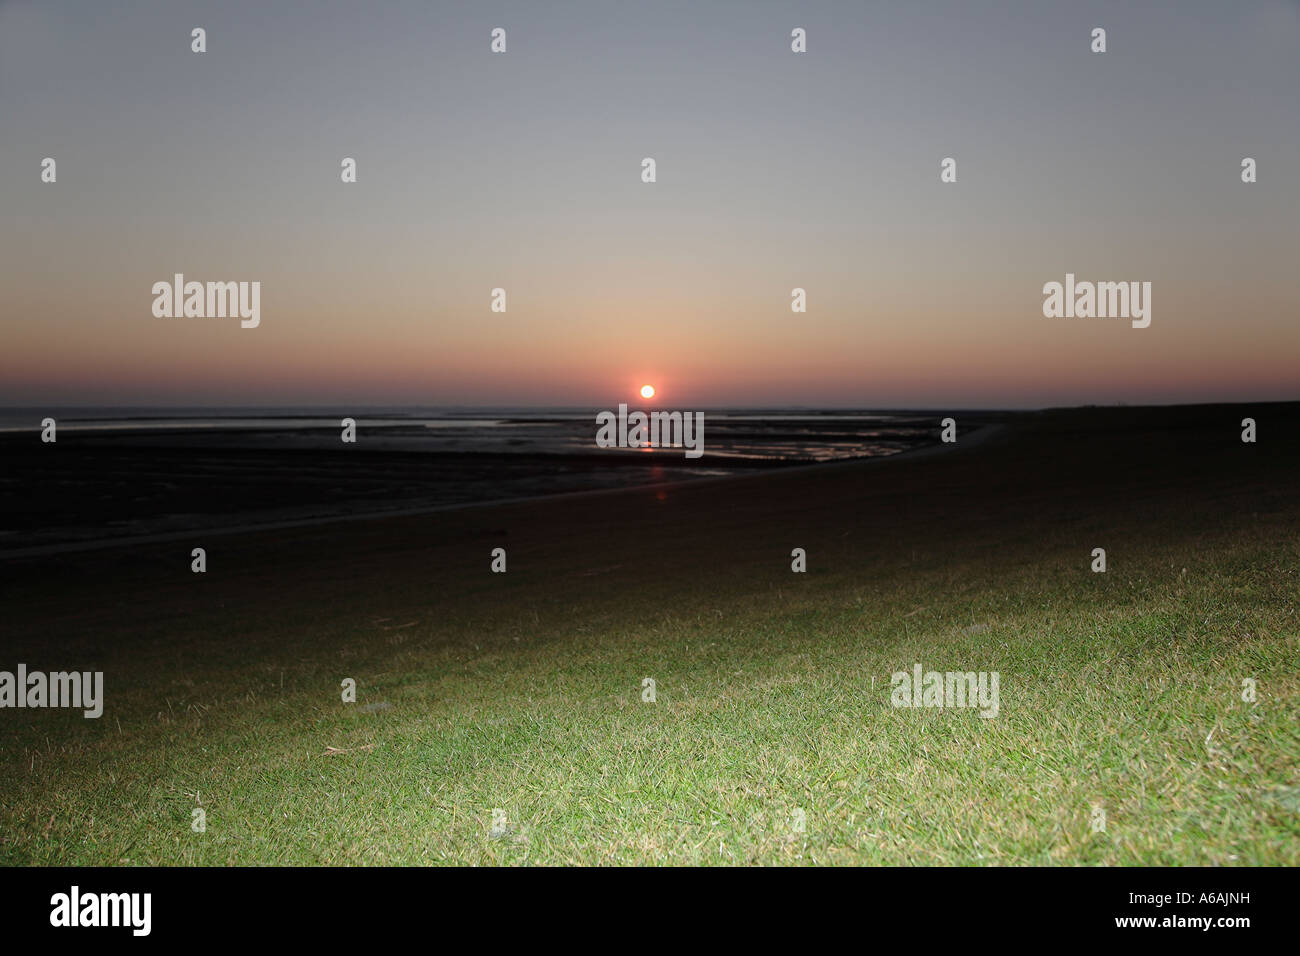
[{"x": 523, "y": 691}]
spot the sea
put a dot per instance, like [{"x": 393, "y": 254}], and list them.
[
  {"x": 120, "y": 474},
  {"x": 731, "y": 436}
]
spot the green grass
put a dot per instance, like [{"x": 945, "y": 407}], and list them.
[{"x": 773, "y": 696}]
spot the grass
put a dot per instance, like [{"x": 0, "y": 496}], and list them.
[{"x": 522, "y": 694}]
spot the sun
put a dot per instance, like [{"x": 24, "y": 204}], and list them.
[{"x": 647, "y": 391}]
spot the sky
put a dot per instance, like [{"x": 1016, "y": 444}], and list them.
[{"x": 775, "y": 170}]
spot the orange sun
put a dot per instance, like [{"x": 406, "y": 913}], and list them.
[{"x": 647, "y": 391}]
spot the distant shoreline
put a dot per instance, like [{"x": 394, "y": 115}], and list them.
[
  {"x": 102, "y": 491},
  {"x": 674, "y": 471}
]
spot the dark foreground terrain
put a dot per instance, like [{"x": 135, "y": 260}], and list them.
[{"x": 506, "y": 717}]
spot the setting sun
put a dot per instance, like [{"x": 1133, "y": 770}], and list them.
[{"x": 647, "y": 391}]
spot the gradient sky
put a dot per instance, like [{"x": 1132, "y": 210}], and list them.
[{"x": 775, "y": 170}]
